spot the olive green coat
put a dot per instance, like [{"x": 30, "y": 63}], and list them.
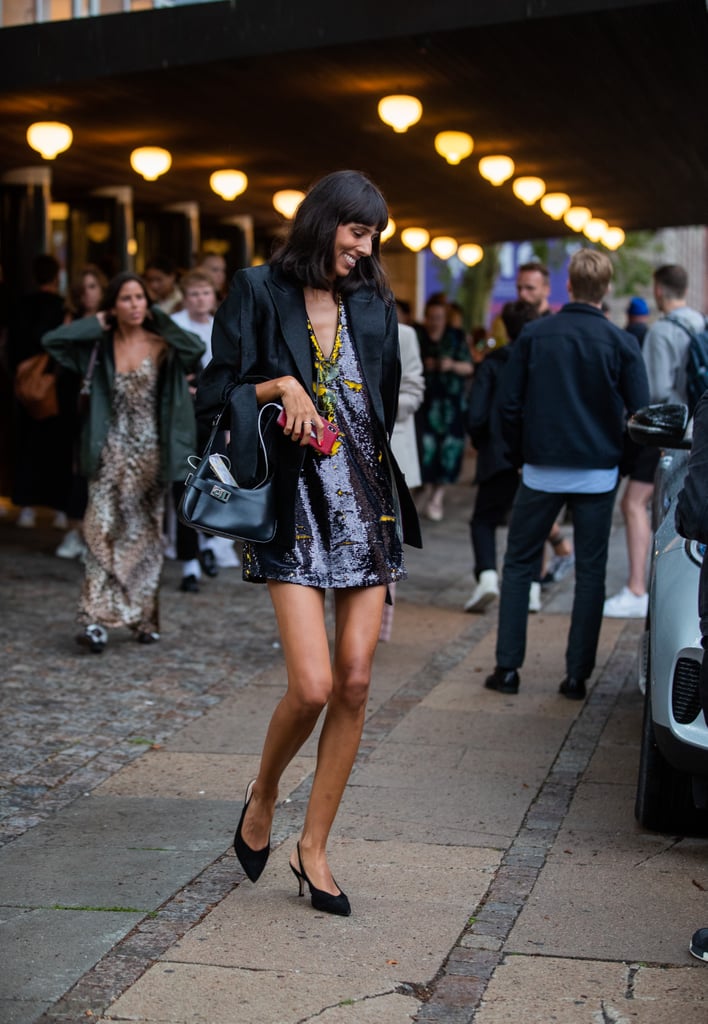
[{"x": 71, "y": 346}]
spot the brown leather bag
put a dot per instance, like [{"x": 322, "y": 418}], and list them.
[{"x": 36, "y": 387}]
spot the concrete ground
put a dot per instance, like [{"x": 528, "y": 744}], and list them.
[{"x": 487, "y": 843}]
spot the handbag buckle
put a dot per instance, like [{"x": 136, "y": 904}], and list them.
[{"x": 219, "y": 493}]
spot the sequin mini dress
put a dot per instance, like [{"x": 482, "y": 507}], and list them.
[
  {"x": 123, "y": 522},
  {"x": 345, "y": 522}
]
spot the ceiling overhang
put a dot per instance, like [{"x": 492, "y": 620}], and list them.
[{"x": 605, "y": 101}]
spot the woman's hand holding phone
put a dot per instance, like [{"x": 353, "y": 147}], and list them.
[{"x": 309, "y": 432}]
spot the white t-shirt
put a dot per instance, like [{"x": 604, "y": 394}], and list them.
[{"x": 203, "y": 331}]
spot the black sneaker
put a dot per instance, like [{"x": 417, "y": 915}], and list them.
[
  {"x": 699, "y": 944},
  {"x": 208, "y": 560},
  {"x": 94, "y": 637},
  {"x": 189, "y": 584},
  {"x": 147, "y": 637},
  {"x": 503, "y": 680}
]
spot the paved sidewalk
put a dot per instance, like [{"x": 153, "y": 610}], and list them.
[{"x": 487, "y": 843}]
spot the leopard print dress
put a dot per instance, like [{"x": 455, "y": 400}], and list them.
[{"x": 123, "y": 521}]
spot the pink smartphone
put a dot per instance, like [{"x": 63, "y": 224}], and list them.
[{"x": 331, "y": 433}]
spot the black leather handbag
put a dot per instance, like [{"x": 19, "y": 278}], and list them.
[{"x": 227, "y": 509}]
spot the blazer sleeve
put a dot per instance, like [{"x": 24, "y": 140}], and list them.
[
  {"x": 412, "y": 387},
  {"x": 233, "y": 348},
  {"x": 691, "y": 515}
]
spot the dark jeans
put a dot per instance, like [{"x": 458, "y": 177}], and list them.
[
  {"x": 532, "y": 517},
  {"x": 187, "y": 540},
  {"x": 495, "y": 497}
]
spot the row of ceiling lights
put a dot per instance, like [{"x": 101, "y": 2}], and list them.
[
  {"x": 402, "y": 112},
  {"x": 49, "y": 138}
]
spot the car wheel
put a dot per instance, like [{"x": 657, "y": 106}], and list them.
[{"x": 664, "y": 801}]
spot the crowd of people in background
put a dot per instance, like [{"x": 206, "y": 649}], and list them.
[
  {"x": 110, "y": 461},
  {"x": 454, "y": 389}
]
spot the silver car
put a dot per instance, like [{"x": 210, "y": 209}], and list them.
[{"x": 672, "y": 787}]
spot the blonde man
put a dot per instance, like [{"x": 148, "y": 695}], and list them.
[{"x": 562, "y": 402}]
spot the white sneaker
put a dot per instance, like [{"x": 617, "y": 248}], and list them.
[
  {"x": 560, "y": 566},
  {"x": 485, "y": 593},
  {"x": 72, "y": 546},
  {"x": 26, "y": 518},
  {"x": 535, "y": 597},
  {"x": 626, "y": 605},
  {"x": 224, "y": 552}
]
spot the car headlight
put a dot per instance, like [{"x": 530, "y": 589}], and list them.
[{"x": 695, "y": 551}]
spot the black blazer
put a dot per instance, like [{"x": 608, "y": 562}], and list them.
[
  {"x": 691, "y": 515},
  {"x": 260, "y": 333}
]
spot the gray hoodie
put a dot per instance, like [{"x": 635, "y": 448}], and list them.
[{"x": 665, "y": 353}]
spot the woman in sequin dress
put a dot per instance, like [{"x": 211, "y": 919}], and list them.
[
  {"x": 315, "y": 331},
  {"x": 137, "y": 437}
]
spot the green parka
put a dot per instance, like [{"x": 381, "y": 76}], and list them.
[{"x": 71, "y": 346}]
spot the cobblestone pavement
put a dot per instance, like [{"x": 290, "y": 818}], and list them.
[
  {"x": 76, "y": 725},
  {"x": 71, "y": 719}
]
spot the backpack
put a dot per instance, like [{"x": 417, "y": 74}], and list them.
[{"x": 696, "y": 362}]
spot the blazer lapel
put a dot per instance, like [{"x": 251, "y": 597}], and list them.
[
  {"x": 290, "y": 307},
  {"x": 368, "y": 326}
]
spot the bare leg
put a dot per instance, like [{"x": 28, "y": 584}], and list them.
[
  {"x": 634, "y": 509},
  {"x": 358, "y": 615},
  {"x": 300, "y": 615}
]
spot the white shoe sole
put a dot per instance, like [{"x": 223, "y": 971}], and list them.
[{"x": 482, "y": 603}]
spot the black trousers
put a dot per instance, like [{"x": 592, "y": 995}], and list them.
[{"x": 492, "y": 506}]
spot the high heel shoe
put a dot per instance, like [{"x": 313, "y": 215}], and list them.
[
  {"x": 252, "y": 861},
  {"x": 321, "y": 900}
]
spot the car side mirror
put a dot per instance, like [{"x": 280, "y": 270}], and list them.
[{"x": 660, "y": 426}]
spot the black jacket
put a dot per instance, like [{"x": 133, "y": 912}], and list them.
[
  {"x": 568, "y": 385},
  {"x": 260, "y": 333},
  {"x": 483, "y": 419},
  {"x": 692, "y": 504}
]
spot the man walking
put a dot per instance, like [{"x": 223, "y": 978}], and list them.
[
  {"x": 665, "y": 351},
  {"x": 563, "y": 399}
]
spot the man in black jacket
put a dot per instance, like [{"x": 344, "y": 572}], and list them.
[{"x": 563, "y": 398}]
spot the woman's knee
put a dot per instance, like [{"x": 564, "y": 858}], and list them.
[
  {"x": 307, "y": 699},
  {"x": 352, "y": 687}
]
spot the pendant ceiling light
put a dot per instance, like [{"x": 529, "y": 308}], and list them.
[
  {"x": 595, "y": 228},
  {"x": 49, "y": 138},
  {"x": 613, "y": 238},
  {"x": 229, "y": 183},
  {"x": 150, "y": 161},
  {"x": 444, "y": 246},
  {"x": 415, "y": 238},
  {"x": 389, "y": 231},
  {"x": 496, "y": 169},
  {"x": 287, "y": 200},
  {"x": 400, "y": 112},
  {"x": 454, "y": 146},
  {"x": 555, "y": 204},
  {"x": 470, "y": 253},
  {"x": 577, "y": 217},
  {"x": 528, "y": 189}
]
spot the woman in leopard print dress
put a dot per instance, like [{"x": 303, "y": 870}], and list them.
[{"x": 136, "y": 440}]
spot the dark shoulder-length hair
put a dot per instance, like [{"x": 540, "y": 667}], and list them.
[
  {"x": 306, "y": 256},
  {"x": 110, "y": 297}
]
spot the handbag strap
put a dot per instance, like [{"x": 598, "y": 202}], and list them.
[
  {"x": 86, "y": 382},
  {"x": 259, "y": 430}
]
